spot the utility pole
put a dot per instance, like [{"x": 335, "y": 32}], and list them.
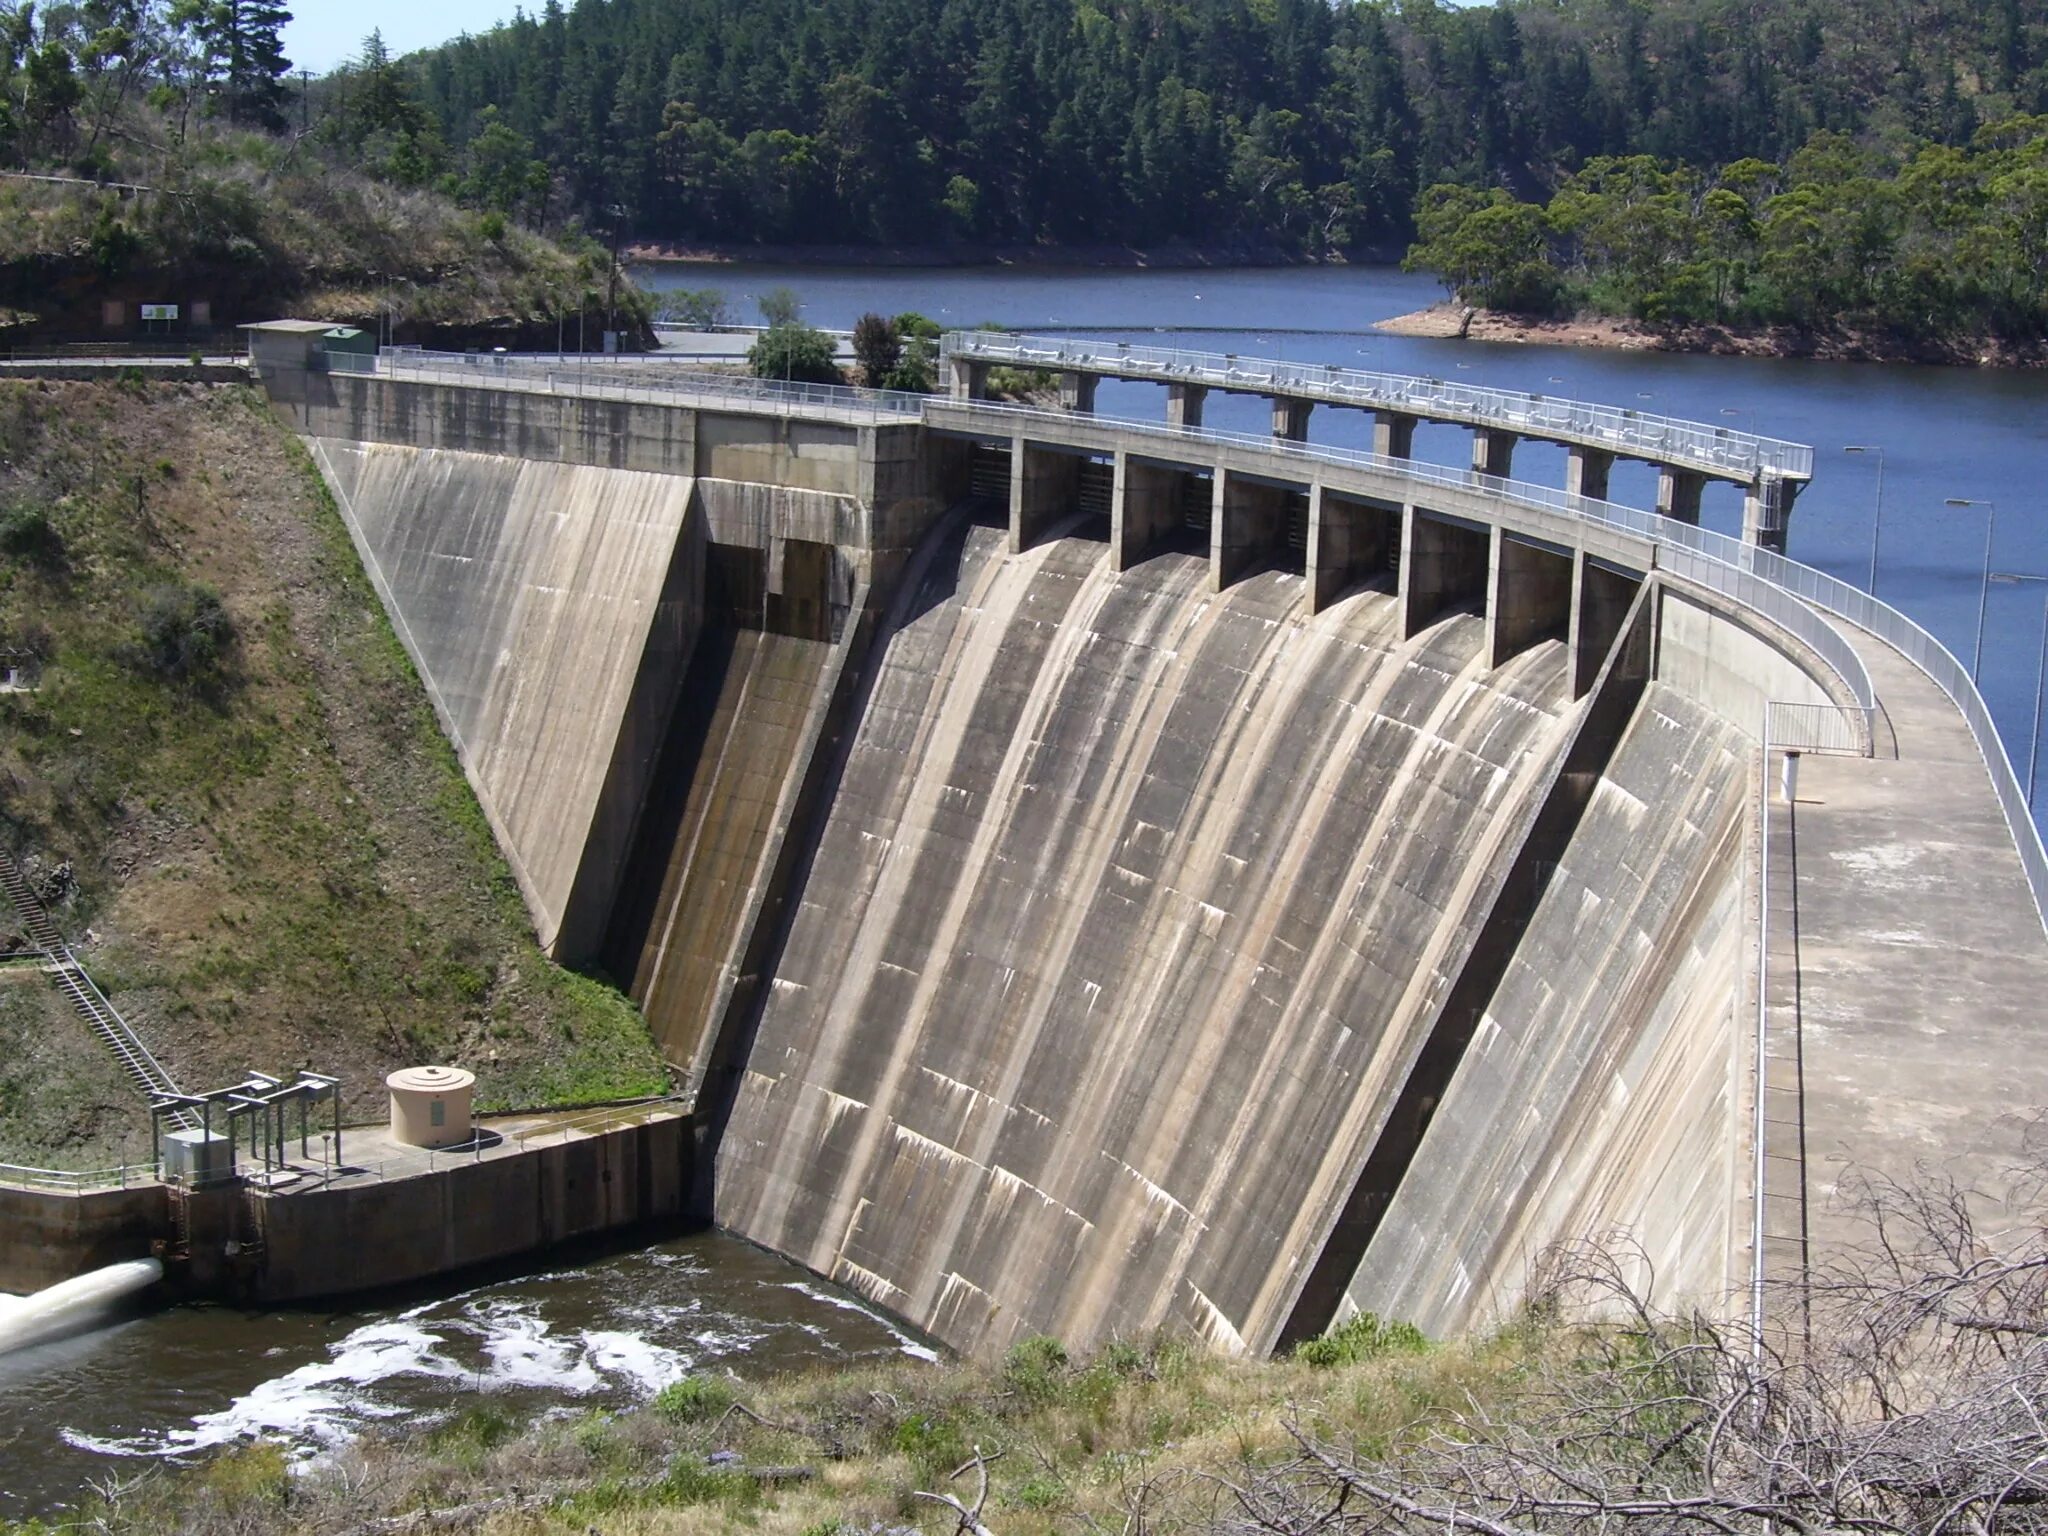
[{"x": 611, "y": 294}]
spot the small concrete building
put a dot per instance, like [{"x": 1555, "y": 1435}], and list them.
[{"x": 304, "y": 344}]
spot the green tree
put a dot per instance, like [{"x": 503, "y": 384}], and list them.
[
  {"x": 877, "y": 348},
  {"x": 1487, "y": 248},
  {"x": 244, "y": 59}
]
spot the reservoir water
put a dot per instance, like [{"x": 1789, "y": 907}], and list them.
[
  {"x": 604, "y": 1331},
  {"x": 1977, "y": 435}
]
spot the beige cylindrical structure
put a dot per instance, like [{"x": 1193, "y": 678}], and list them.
[{"x": 430, "y": 1105}]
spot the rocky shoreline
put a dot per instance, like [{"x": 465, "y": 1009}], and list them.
[{"x": 1462, "y": 323}]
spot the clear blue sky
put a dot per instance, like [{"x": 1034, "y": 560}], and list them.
[{"x": 324, "y": 33}]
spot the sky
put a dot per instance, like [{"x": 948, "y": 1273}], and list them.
[{"x": 324, "y": 33}]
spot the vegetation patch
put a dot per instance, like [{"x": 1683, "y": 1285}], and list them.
[{"x": 276, "y": 859}]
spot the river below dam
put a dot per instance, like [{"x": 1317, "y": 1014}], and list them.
[
  {"x": 592, "y": 1332},
  {"x": 571, "y": 1334}
]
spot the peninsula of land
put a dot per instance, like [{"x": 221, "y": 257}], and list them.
[{"x": 1460, "y": 322}]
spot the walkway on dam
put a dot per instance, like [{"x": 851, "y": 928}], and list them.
[{"x": 1906, "y": 953}]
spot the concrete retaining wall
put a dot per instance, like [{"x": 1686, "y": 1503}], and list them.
[
  {"x": 363, "y": 1236},
  {"x": 46, "y": 1236}
]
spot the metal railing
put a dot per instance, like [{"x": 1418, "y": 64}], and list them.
[
  {"x": 1833, "y": 729},
  {"x": 644, "y": 379},
  {"x": 484, "y": 1145},
  {"x": 69, "y": 1181},
  {"x": 1630, "y": 434}
]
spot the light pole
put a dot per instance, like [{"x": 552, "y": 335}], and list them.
[
  {"x": 1876, "y": 522},
  {"x": 2040, "y": 672},
  {"x": 1984, "y": 585}
]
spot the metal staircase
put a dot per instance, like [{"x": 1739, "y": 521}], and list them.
[{"x": 86, "y": 999}]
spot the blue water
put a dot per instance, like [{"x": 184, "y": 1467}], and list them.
[{"x": 1974, "y": 434}]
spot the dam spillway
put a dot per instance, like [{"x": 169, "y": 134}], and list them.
[
  {"x": 1132, "y": 902},
  {"x": 1327, "y": 894}
]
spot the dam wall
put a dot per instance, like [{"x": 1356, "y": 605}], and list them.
[
  {"x": 1602, "y": 1093},
  {"x": 1212, "y": 927},
  {"x": 550, "y": 610},
  {"x": 1130, "y": 908}
]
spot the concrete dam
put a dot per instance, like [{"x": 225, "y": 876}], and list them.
[{"x": 1097, "y": 876}]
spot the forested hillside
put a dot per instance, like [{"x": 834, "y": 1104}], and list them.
[{"x": 1289, "y": 124}]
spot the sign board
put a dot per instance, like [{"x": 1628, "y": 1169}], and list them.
[{"x": 159, "y": 311}]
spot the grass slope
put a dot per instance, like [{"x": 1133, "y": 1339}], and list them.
[
  {"x": 1164, "y": 1428},
  {"x": 277, "y": 861}
]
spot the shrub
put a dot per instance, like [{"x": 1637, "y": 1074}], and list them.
[
  {"x": 1364, "y": 1338},
  {"x": 693, "y": 1399},
  {"x": 27, "y": 534},
  {"x": 793, "y": 351},
  {"x": 1034, "y": 1367},
  {"x": 492, "y": 227},
  {"x": 186, "y": 634},
  {"x": 701, "y": 309},
  {"x": 933, "y": 1442}
]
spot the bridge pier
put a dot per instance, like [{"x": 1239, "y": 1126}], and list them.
[
  {"x": 1529, "y": 596},
  {"x": 1493, "y": 451},
  {"x": 1044, "y": 486},
  {"x": 1445, "y": 564},
  {"x": 1678, "y": 493},
  {"x": 1247, "y": 529},
  {"x": 1767, "y": 512},
  {"x": 1144, "y": 508},
  {"x": 1586, "y": 471},
  {"x": 1393, "y": 435},
  {"x": 1077, "y": 392},
  {"x": 966, "y": 378},
  {"x": 1349, "y": 541},
  {"x": 1184, "y": 404},
  {"x": 1600, "y": 606},
  {"x": 1290, "y": 418}
]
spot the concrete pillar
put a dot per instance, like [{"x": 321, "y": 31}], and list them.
[
  {"x": 1077, "y": 392},
  {"x": 1529, "y": 596},
  {"x": 1493, "y": 451},
  {"x": 1290, "y": 419},
  {"x": 1586, "y": 471},
  {"x": 1444, "y": 565},
  {"x": 1393, "y": 435},
  {"x": 1767, "y": 512},
  {"x": 1044, "y": 487},
  {"x": 1247, "y": 528},
  {"x": 1599, "y": 608},
  {"x": 1678, "y": 493},
  {"x": 1184, "y": 404},
  {"x": 1348, "y": 542},
  {"x": 1144, "y": 508},
  {"x": 966, "y": 378}
]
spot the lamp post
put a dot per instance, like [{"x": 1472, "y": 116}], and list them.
[
  {"x": 1984, "y": 584},
  {"x": 1876, "y": 522},
  {"x": 2040, "y": 672}
]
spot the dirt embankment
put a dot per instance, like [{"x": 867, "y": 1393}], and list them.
[
  {"x": 1460, "y": 322},
  {"x": 277, "y": 861}
]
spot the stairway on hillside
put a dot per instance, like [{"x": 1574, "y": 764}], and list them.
[{"x": 86, "y": 999}]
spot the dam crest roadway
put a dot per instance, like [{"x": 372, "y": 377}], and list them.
[{"x": 1095, "y": 875}]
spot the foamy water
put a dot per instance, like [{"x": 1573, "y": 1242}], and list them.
[{"x": 609, "y": 1334}]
